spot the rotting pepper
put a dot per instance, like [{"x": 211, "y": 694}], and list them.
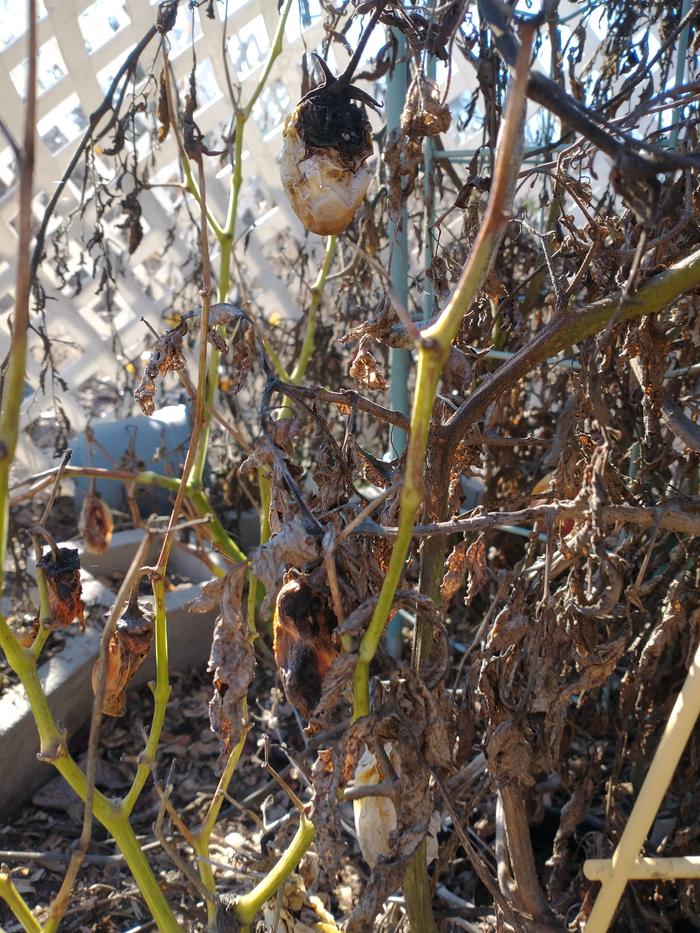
[
  {"x": 327, "y": 141},
  {"x": 61, "y": 565},
  {"x": 128, "y": 649},
  {"x": 304, "y": 642},
  {"x": 323, "y": 163},
  {"x": 96, "y": 523}
]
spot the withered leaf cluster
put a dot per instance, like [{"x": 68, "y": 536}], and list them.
[{"x": 166, "y": 356}]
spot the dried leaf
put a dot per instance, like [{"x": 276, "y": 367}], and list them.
[
  {"x": 223, "y": 314},
  {"x": 336, "y": 691},
  {"x": 476, "y": 568},
  {"x": 455, "y": 571},
  {"x": 209, "y": 598},
  {"x": 163, "y": 108},
  {"x": 375, "y": 471},
  {"x": 403, "y": 157},
  {"x": 329, "y": 476},
  {"x": 260, "y": 455},
  {"x": 167, "y": 355},
  {"x": 365, "y": 369},
  {"x": 232, "y": 662},
  {"x": 241, "y": 361},
  {"x": 424, "y": 113},
  {"x": 326, "y": 812},
  {"x": 293, "y": 546}
]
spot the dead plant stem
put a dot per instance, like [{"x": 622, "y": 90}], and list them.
[{"x": 60, "y": 902}]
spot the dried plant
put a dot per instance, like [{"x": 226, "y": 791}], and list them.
[{"x": 531, "y": 520}]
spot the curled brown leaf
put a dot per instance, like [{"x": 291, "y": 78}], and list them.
[{"x": 232, "y": 662}]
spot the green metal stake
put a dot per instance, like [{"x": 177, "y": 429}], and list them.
[
  {"x": 399, "y": 360},
  {"x": 428, "y": 197}
]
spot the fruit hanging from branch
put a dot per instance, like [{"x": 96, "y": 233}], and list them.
[
  {"x": 327, "y": 142},
  {"x": 323, "y": 164},
  {"x": 128, "y": 649}
]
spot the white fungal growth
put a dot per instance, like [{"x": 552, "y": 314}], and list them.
[{"x": 323, "y": 188}]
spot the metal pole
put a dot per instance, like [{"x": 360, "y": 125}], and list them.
[
  {"x": 428, "y": 197},
  {"x": 399, "y": 360}
]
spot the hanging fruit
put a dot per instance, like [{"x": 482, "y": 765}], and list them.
[
  {"x": 304, "y": 642},
  {"x": 327, "y": 141},
  {"x": 96, "y": 523},
  {"x": 375, "y": 815},
  {"x": 323, "y": 164},
  {"x": 61, "y": 565},
  {"x": 128, "y": 649}
]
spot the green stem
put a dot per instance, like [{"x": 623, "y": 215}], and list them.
[
  {"x": 192, "y": 187},
  {"x": 433, "y": 348},
  {"x": 52, "y": 743},
  {"x": 44, "y": 614},
  {"x": 416, "y": 889},
  {"x": 275, "y": 52},
  {"x": 17, "y": 904},
  {"x": 428, "y": 373},
  {"x": 225, "y": 235},
  {"x": 249, "y": 904},
  {"x": 161, "y": 695},
  {"x": 274, "y": 358},
  {"x": 653, "y": 296},
  {"x": 217, "y": 531},
  {"x": 309, "y": 344},
  {"x": 122, "y": 833},
  {"x": 265, "y": 491},
  {"x": 200, "y": 841}
]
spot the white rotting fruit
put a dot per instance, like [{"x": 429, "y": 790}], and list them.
[
  {"x": 375, "y": 817},
  {"x": 327, "y": 141}
]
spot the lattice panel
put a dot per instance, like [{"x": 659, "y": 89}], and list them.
[{"x": 81, "y": 45}]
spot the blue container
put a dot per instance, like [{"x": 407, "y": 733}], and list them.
[{"x": 158, "y": 443}]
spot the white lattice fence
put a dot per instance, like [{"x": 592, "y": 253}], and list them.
[{"x": 82, "y": 44}]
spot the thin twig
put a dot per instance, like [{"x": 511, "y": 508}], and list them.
[{"x": 669, "y": 519}]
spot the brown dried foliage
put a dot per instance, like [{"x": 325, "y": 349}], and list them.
[{"x": 232, "y": 662}]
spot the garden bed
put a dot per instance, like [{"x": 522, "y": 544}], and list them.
[{"x": 66, "y": 675}]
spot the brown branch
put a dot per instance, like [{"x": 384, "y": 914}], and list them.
[
  {"x": 543, "y": 90},
  {"x": 350, "y": 398},
  {"x": 671, "y": 412},
  {"x": 653, "y": 296},
  {"x": 523, "y": 886},
  {"x": 40, "y": 481},
  {"x": 668, "y": 518}
]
